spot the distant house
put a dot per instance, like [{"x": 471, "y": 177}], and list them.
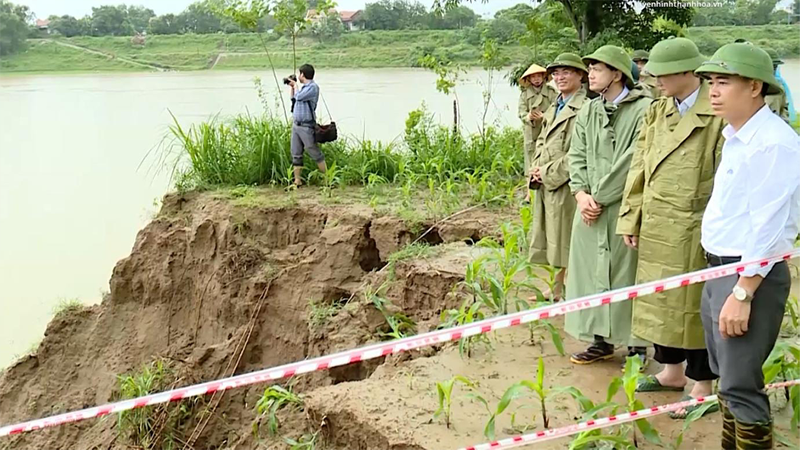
[
  {"x": 43, "y": 25},
  {"x": 349, "y": 18}
]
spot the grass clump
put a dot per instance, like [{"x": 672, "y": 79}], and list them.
[
  {"x": 319, "y": 313},
  {"x": 152, "y": 427},
  {"x": 65, "y": 306}
]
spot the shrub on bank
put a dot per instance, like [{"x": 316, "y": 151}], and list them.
[{"x": 250, "y": 150}]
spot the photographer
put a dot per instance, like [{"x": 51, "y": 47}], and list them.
[{"x": 304, "y": 106}]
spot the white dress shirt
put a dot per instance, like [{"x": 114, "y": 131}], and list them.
[
  {"x": 687, "y": 103},
  {"x": 754, "y": 208},
  {"x": 622, "y": 95}
]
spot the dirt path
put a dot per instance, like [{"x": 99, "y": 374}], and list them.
[{"x": 109, "y": 55}]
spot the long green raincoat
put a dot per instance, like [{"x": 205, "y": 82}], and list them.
[
  {"x": 668, "y": 187},
  {"x": 532, "y": 98},
  {"x": 553, "y": 204},
  {"x": 599, "y": 158}
]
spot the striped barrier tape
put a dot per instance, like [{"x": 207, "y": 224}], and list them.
[
  {"x": 396, "y": 346},
  {"x": 596, "y": 424}
]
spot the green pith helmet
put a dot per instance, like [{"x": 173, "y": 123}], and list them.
[
  {"x": 672, "y": 56},
  {"x": 776, "y": 60},
  {"x": 640, "y": 55},
  {"x": 745, "y": 60},
  {"x": 613, "y": 57},
  {"x": 567, "y": 60}
]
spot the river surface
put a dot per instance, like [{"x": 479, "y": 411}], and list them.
[{"x": 76, "y": 182}]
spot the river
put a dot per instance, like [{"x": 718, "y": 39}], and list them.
[{"x": 74, "y": 189}]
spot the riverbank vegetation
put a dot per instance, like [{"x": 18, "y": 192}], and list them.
[
  {"x": 387, "y": 33},
  {"x": 386, "y": 48}
]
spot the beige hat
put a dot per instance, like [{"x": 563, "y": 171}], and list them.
[{"x": 533, "y": 70}]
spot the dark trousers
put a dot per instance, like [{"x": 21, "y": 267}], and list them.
[
  {"x": 738, "y": 360},
  {"x": 697, "y": 366}
]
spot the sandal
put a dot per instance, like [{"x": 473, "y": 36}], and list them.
[
  {"x": 688, "y": 410},
  {"x": 595, "y": 352},
  {"x": 651, "y": 384}
]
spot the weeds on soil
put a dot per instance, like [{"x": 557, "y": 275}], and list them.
[
  {"x": 152, "y": 427},
  {"x": 67, "y": 306},
  {"x": 274, "y": 399},
  {"x": 304, "y": 442}
]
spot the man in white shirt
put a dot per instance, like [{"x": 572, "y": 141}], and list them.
[{"x": 753, "y": 213}]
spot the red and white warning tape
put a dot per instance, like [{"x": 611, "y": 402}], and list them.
[
  {"x": 596, "y": 424},
  {"x": 397, "y": 346}
]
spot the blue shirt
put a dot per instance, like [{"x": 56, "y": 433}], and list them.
[{"x": 307, "y": 98}]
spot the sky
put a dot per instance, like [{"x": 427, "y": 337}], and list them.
[{"x": 80, "y": 8}]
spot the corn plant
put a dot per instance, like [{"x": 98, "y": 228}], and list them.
[
  {"x": 468, "y": 312},
  {"x": 783, "y": 364},
  {"x": 517, "y": 390},
  {"x": 399, "y": 325},
  {"x": 444, "y": 392},
  {"x": 274, "y": 399},
  {"x": 625, "y": 436}
]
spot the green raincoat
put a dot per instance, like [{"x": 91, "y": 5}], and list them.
[
  {"x": 532, "y": 98},
  {"x": 554, "y": 205},
  {"x": 778, "y": 104},
  {"x": 672, "y": 151},
  {"x": 599, "y": 158},
  {"x": 649, "y": 82}
]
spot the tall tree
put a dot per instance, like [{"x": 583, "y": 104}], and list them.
[
  {"x": 13, "y": 27},
  {"x": 200, "y": 18},
  {"x": 633, "y": 19},
  {"x": 66, "y": 25},
  {"x": 166, "y": 24},
  {"x": 138, "y": 17},
  {"x": 110, "y": 20}
]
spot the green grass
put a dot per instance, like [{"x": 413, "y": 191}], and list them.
[
  {"x": 47, "y": 57},
  {"x": 67, "y": 306},
  {"x": 365, "y": 49},
  {"x": 154, "y": 426}
]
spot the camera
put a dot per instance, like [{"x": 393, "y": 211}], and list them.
[{"x": 290, "y": 77}]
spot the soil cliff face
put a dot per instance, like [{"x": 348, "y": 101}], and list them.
[{"x": 218, "y": 289}]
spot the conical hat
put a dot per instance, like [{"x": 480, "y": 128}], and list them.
[{"x": 534, "y": 69}]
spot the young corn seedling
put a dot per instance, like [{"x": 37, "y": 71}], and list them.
[
  {"x": 331, "y": 179},
  {"x": 469, "y": 312},
  {"x": 399, "y": 324},
  {"x": 629, "y": 381},
  {"x": 783, "y": 364},
  {"x": 444, "y": 391},
  {"x": 517, "y": 390},
  {"x": 274, "y": 399}
]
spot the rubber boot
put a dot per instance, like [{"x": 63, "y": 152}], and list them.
[
  {"x": 728, "y": 427},
  {"x": 753, "y": 436}
]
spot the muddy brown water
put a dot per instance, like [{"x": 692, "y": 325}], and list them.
[{"x": 73, "y": 194}]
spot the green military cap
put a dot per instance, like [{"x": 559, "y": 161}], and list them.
[
  {"x": 745, "y": 60},
  {"x": 613, "y": 57},
  {"x": 567, "y": 60},
  {"x": 675, "y": 55},
  {"x": 776, "y": 60},
  {"x": 640, "y": 55}
]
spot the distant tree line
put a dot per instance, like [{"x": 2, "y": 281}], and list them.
[
  {"x": 747, "y": 12},
  {"x": 201, "y": 18}
]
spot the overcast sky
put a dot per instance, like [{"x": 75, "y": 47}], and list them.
[{"x": 79, "y": 8}]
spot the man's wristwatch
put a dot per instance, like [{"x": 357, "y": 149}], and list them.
[{"x": 741, "y": 294}]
